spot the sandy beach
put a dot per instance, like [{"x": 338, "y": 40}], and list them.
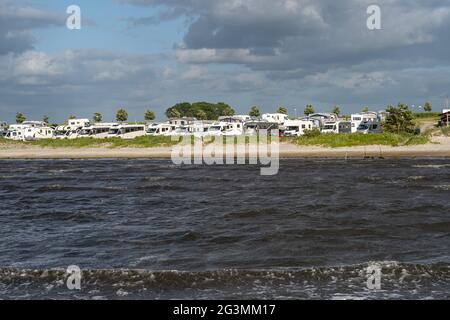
[{"x": 439, "y": 147}]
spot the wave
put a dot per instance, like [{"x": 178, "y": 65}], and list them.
[{"x": 398, "y": 279}]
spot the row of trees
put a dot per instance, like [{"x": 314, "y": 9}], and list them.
[{"x": 121, "y": 116}]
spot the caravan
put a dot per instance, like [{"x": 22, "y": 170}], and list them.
[
  {"x": 38, "y": 133},
  {"x": 369, "y": 127},
  {"x": 296, "y": 128},
  {"x": 360, "y": 118},
  {"x": 126, "y": 131},
  {"x": 98, "y": 131},
  {"x": 337, "y": 127},
  {"x": 279, "y": 118}
]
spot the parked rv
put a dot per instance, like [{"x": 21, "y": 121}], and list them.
[
  {"x": 279, "y": 118},
  {"x": 369, "y": 127},
  {"x": 97, "y": 130},
  {"x": 337, "y": 127},
  {"x": 253, "y": 127},
  {"x": 77, "y": 124},
  {"x": 296, "y": 128},
  {"x": 126, "y": 131},
  {"x": 37, "y": 133},
  {"x": 360, "y": 118}
]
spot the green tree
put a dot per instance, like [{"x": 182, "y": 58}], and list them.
[
  {"x": 212, "y": 110},
  {"x": 365, "y": 109},
  {"x": 428, "y": 107},
  {"x": 309, "y": 109},
  {"x": 282, "y": 110},
  {"x": 201, "y": 115},
  {"x": 97, "y": 117},
  {"x": 149, "y": 115},
  {"x": 336, "y": 110},
  {"x": 254, "y": 112},
  {"x": 45, "y": 119},
  {"x": 72, "y": 117},
  {"x": 121, "y": 115},
  {"x": 173, "y": 113},
  {"x": 20, "y": 118},
  {"x": 400, "y": 119}
]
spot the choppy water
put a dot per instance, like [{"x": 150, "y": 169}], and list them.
[{"x": 149, "y": 229}]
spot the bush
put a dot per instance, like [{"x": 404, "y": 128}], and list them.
[{"x": 312, "y": 133}]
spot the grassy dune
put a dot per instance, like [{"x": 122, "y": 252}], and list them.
[
  {"x": 140, "y": 142},
  {"x": 358, "y": 139},
  {"x": 325, "y": 140}
]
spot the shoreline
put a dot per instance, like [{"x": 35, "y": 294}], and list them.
[{"x": 440, "y": 148}]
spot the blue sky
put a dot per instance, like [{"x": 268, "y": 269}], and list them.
[{"x": 151, "y": 54}]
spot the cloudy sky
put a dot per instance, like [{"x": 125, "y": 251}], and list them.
[{"x": 151, "y": 54}]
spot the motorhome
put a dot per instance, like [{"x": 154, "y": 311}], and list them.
[
  {"x": 360, "y": 118},
  {"x": 337, "y": 127},
  {"x": 97, "y": 130},
  {"x": 296, "y": 128},
  {"x": 254, "y": 127},
  {"x": 217, "y": 128},
  {"x": 324, "y": 117},
  {"x": 17, "y": 131},
  {"x": 126, "y": 131},
  {"x": 159, "y": 129},
  {"x": 61, "y": 132},
  {"x": 370, "y": 127},
  {"x": 279, "y": 118},
  {"x": 37, "y": 133},
  {"x": 77, "y": 124},
  {"x": 234, "y": 127},
  {"x": 13, "y": 134}
]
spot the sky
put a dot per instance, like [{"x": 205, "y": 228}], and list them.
[{"x": 152, "y": 54}]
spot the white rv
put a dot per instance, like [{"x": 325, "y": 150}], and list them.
[
  {"x": 17, "y": 131},
  {"x": 158, "y": 129},
  {"x": 77, "y": 124},
  {"x": 126, "y": 131},
  {"x": 296, "y": 128},
  {"x": 360, "y": 118},
  {"x": 337, "y": 127},
  {"x": 97, "y": 130},
  {"x": 14, "y": 134},
  {"x": 37, "y": 133},
  {"x": 279, "y": 118}
]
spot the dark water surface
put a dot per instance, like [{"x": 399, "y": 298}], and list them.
[{"x": 150, "y": 229}]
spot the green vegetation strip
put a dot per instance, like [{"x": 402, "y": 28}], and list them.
[
  {"x": 140, "y": 142},
  {"x": 359, "y": 139}
]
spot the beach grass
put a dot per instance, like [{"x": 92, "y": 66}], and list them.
[
  {"x": 333, "y": 140},
  {"x": 139, "y": 142}
]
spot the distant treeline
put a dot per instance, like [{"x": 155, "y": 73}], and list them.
[{"x": 200, "y": 110}]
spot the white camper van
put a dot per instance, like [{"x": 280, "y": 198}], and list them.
[
  {"x": 296, "y": 128},
  {"x": 360, "y": 118},
  {"x": 126, "y": 131},
  {"x": 97, "y": 130},
  {"x": 337, "y": 127},
  {"x": 37, "y": 133},
  {"x": 279, "y": 118}
]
